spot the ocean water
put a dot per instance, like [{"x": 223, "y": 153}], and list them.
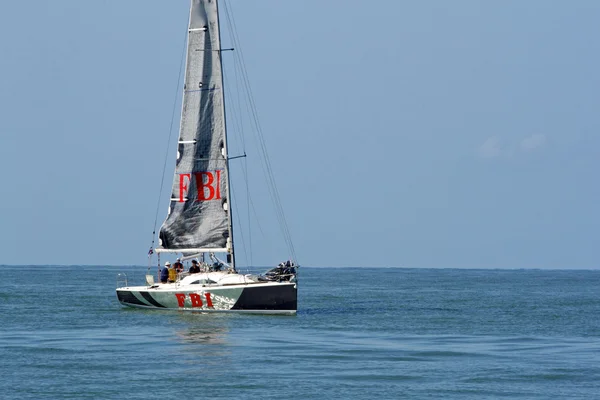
[{"x": 360, "y": 333}]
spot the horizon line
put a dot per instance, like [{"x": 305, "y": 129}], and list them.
[{"x": 321, "y": 267}]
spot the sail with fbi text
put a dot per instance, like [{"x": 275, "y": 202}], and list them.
[{"x": 199, "y": 211}]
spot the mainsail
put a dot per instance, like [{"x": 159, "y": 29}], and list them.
[{"x": 199, "y": 216}]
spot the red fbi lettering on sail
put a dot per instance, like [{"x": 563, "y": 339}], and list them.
[
  {"x": 182, "y": 185},
  {"x": 207, "y": 183}
]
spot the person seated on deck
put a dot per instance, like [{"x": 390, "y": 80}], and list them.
[
  {"x": 164, "y": 273},
  {"x": 178, "y": 266},
  {"x": 195, "y": 268}
]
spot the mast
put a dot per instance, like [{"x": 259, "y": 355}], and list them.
[{"x": 231, "y": 253}]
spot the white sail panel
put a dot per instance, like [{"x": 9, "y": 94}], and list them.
[{"x": 198, "y": 212}]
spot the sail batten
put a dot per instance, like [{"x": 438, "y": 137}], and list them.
[
  {"x": 197, "y": 250},
  {"x": 199, "y": 212}
]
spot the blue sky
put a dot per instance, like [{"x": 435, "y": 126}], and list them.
[{"x": 418, "y": 134}]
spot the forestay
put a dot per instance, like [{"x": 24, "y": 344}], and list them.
[{"x": 199, "y": 213}]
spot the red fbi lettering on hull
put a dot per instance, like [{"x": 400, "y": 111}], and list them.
[
  {"x": 180, "y": 299},
  {"x": 195, "y": 299},
  {"x": 207, "y": 182},
  {"x": 208, "y": 300}
]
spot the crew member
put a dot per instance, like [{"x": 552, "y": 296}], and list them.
[
  {"x": 178, "y": 266},
  {"x": 195, "y": 268},
  {"x": 172, "y": 274},
  {"x": 164, "y": 273}
]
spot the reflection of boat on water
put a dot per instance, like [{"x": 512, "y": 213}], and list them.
[
  {"x": 203, "y": 334},
  {"x": 202, "y": 337},
  {"x": 203, "y": 343},
  {"x": 199, "y": 221}
]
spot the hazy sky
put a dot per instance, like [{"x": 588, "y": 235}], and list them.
[{"x": 403, "y": 133}]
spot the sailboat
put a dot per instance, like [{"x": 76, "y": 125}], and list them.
[{"x": 198, "y": 225}]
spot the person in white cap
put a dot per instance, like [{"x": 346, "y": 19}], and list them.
[{"x": 164, "y": 273}]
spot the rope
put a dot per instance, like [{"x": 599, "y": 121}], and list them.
[
  {"x": 162, "y": 181},
  {"x": 266, "y": 164}
]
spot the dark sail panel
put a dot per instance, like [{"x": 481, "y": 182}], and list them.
[{"x": 198, "y": 213}]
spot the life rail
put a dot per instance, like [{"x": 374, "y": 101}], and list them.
[{"x": 122, "y": 280}]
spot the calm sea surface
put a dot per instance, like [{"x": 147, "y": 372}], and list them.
[{"x": 360, "y": 333}]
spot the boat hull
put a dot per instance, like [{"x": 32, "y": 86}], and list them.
[{"x": 261, "y": 298}]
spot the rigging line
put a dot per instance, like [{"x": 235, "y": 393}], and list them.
[
  {"x": 245, "y": 163},
  {"x": 239, "y": 223},
  {"x": 269, "y": 184},
  {"x": 270, "y": 177},
  {"x": 272, "y": 186},
  {"x": 238, "y": 97},
  {"x": 248, "y": 210},
  {"x": 236, "y": 106},
  {"x": 236, "y": 116},
  {"x": 162, "y": 181},
  {"x": 239, "y": 116},
  {"x": 245, "y": 170},
  {"x": 235, "y": 113},
  {"x": 251, "y": 203},
  {"x": 266, "y": 163},
  {"x": 267, "y": 166},
  {"x": 275, "y": 197},
  {"x": 239, "y": 125},
  {"x": 257, "y": 219}
]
